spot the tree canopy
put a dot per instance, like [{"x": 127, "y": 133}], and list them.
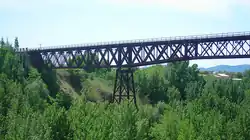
[{"x": 175, "y": 103}]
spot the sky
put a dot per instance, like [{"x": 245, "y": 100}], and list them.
[{"x": 62, "y": 22}]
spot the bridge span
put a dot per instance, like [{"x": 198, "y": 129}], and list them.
[{"x": 134, "y": 53}]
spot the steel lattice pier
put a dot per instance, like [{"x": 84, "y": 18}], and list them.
[{"x": 124, "y": 86}]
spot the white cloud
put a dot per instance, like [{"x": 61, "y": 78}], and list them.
[
  {"x": 216, "y": 7},
  {"x": 201, "y": 6},
  {"x": 36, "y": 4},
  {"x": 9, "y": 4}
]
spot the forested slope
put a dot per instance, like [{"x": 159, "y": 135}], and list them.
[{"x": 175, "y": 103}]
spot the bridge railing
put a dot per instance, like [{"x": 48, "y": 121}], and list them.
[{"x": 205, "y": 36}]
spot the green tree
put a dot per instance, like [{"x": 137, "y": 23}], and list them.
[
  {"x": 16, "y": 44},
  {"x": 179, "y": 74},
  {"x": 2, "y": 42}
]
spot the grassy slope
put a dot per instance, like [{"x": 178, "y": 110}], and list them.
[
  {"x": 97, "y": 86},
  {"x": 65, "y": 86},
  {"x": 209, "y": 77}
]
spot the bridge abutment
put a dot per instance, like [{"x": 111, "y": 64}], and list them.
[{"x": 36, "y": 61}]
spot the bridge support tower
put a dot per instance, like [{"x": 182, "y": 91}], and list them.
[{"x": 124, "y": 86}]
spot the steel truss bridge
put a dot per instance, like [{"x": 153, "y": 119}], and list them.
[{"x": 134, "y": 53}]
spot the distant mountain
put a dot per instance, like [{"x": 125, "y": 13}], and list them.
[{"x": 237, "y": 68}]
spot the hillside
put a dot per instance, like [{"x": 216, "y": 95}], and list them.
[
  {"x": 95, "y": 88},
  {"x": 227, "y": 68},
  {"x": 174, "y": 102}
]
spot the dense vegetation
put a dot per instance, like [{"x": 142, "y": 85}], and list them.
[{"x": 176, "y": 103}]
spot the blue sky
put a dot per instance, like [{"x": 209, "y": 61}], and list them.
[{"x": 59, "y": 22}]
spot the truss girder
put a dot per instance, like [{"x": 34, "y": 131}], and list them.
[{"x": 133, "y": 55}]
